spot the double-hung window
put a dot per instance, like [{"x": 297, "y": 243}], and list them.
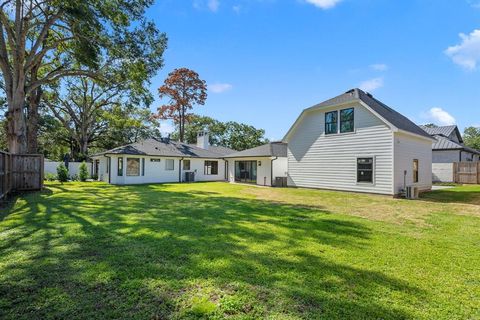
[
  {"x": 186, "y": 164},
  {"x": 169, "y": 164},
  {"x": 365, "y": 170},
  {"x": 331, "y": 122},
  {"x": 211, "y": 167},
  {"x": 120, "y": 167},
  {"x": 346, "y": 120}
]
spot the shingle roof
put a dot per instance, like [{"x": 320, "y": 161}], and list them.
[
  {"x": 444, "y": 130},
  {"x": 153, "y": 147},
  {"x": 272, "y": 149},
  {"x": 393, "y": 117},
  {"x": 443, "y": 143}
]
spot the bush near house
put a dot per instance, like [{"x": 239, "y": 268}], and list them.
[
  {"x": 62, "y": 173},
  {"x": 83, "y": 172}
]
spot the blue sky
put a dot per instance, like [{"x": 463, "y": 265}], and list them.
[{"x": 266, "y": 60}]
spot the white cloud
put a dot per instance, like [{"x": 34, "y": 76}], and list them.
[
  {"x": 166, "y": 127},
  {"x": 467, "y": 53},
  {"x": 439, "y": 116},
  {"x": 323, "y": 4},
  {"x": 213, "y": 5},
  {"x": 220, "y": 87},
  {"x": 372, "y": 84},
  {"x": 237, "y": 8},
  {"x": 379, "y": 67}
]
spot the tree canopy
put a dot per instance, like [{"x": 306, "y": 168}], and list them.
[
  {"x": 471, "y": 137},
  {"x": 230, "y": 134},
  {"x": 184, "y": 88},
  {"x": 44, "y": 41}
]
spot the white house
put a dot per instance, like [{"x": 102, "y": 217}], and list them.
[
  {"x": 157, "y": 161},
  {"x": 447, "y": 149},
  {"x": 261, "y": 165},
  {"x": 354, "y": 142}
]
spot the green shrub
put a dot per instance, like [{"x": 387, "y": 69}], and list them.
[
  {"x": 62, "y": 173},
  {"x": 74, "y": 177},
  {"x": 50, "y": 177},
  {"x": 83, "y": 172}
]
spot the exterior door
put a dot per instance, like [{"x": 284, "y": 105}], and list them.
[{"x": 246, "y": 171}]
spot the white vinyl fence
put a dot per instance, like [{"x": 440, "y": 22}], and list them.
[{"x": 73, "y": 167}]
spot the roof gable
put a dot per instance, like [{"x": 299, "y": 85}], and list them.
[
  {"x": 391, "y": 117},
  {"x": 446, "y": 131}
]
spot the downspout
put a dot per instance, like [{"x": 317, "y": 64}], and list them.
[
  {"x": 460, "y": 156},
  {"x": 271, "y": 171},
  {"x": 180, "y": 170},
  {"x": 225, "y": 168}
]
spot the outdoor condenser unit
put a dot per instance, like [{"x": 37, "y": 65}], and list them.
[{"x": 411, "y": 192}]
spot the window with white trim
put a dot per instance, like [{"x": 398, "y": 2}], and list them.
[
  {"x": 365, "y": 170},
  {"x": 169, "y": 164}
]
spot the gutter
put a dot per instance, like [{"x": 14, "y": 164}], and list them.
[{"x": 271, "y": 171}]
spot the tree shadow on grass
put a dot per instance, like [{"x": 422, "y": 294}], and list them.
[{"x": 147, "y": 252}]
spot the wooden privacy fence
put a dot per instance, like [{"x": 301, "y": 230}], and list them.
[
  {"x": 20, "y": 172},
  {"x": 466, "y": 172}
]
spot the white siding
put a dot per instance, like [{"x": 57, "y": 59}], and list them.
[
  {"x": 280, "y": 168},
  {"x": 407, "y": 148},
  {"x": 442, "y": 172},
  {"x": 316, "y": 160},
  {"x": 446, "y": 156},
  {"x": 264, "y": 174},
  {"x": 155, "y": 172}
]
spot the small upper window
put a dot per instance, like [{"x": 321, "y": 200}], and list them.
[
  {"x": 415, "y": 171},
  {"x": 186, "y": 164},
  {"x": 133, "y": 166},
  {"x": 331, "y": 122},
  {"x": 346, "y": 120},
  {"x": 169, "y": 164},
  {"x": 365, "y": 170}
]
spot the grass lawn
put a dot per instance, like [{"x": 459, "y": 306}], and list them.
[{"x": 216, "y": 250}]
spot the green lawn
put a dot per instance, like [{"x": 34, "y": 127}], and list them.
[{"x": 216, "y": 250}]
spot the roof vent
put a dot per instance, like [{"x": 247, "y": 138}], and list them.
[
  {"x": 369, "y": 94},
  {"x": 350, "y": 91}
]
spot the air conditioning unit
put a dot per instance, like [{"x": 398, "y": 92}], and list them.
[
  {"x": 189, "y": 176},
  {"x": 411, "y": 192}
]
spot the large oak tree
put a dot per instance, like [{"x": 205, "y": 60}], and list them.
[{"x": 42, "y": 41}]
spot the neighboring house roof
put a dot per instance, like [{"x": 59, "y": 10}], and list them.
[
  {"x": 389, "y": 115},
  {"x": 272, "y": 149},
  {"x": 444, "y": 143},
  {"x": 444, "y": 131},
  {"x": 168, "y": 148}
]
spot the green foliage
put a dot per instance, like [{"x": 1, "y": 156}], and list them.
[
  {"x": 226, "y": 251},
  {"x": 83, "y": 172},
  {"x": 231, "y": 134},
  {"x": 50, "y": 177},
  {"x": 431, "y": 125},
  {"x": 62, "y": 173},
  {"x": 471, "y": 137}
]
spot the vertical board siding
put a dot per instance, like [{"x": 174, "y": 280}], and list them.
[
  {"x": 407, "y": 148},
  {"x": 20, "y": 172},
  {"x": 316, "y": 160}
]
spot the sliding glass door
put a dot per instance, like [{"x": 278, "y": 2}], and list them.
[{"x": 246, "y": 171}]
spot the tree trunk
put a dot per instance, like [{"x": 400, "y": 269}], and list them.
[
  {"x": 32, "y": 123},
  {"x": 17, "y": 140}
]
